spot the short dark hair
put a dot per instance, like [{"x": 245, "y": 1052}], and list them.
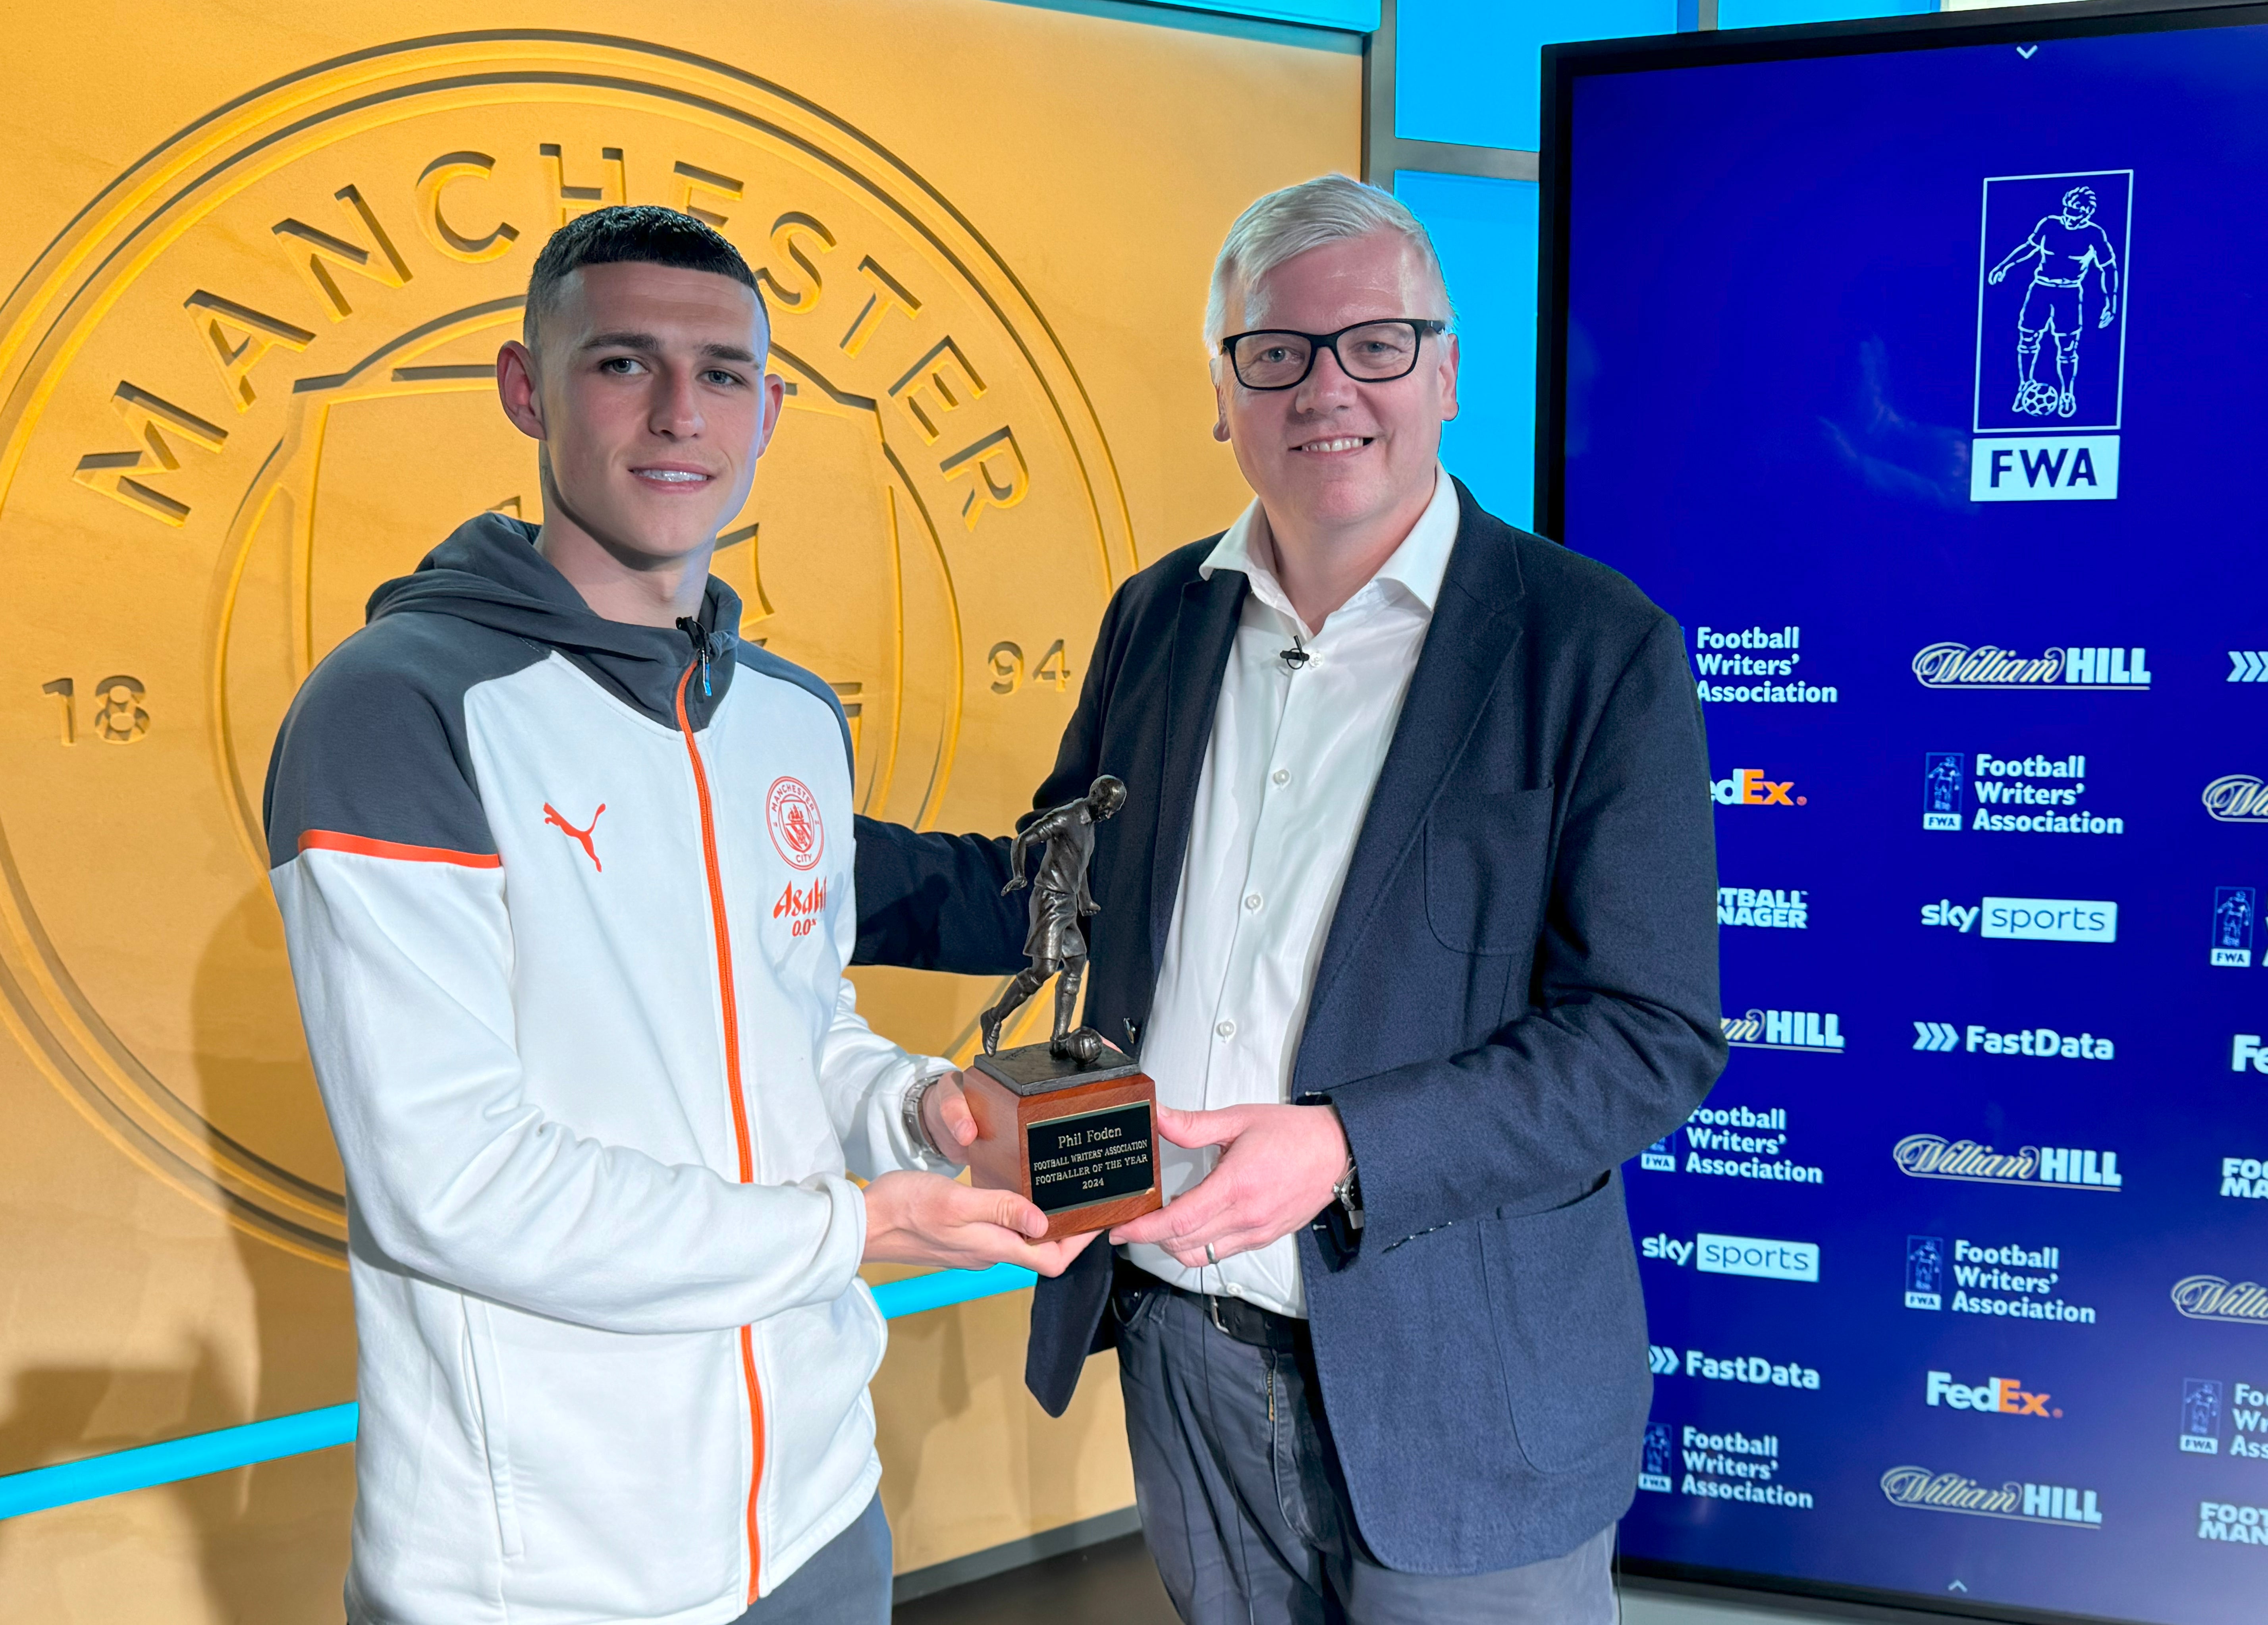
[{"x": 630, "y": 234}]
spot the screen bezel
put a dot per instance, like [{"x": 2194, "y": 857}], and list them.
[{"x": 1562, "y": 65}]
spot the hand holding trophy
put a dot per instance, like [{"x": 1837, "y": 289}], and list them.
[{"x": 1069, "y": 1123}]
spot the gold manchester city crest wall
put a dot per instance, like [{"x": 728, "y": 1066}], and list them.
[{"x": 257, "y": 264}]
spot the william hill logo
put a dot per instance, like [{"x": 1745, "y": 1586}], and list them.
[
  {"x": 2215, "y": 1297},
  {"x": 1989, "y": 665},
  {"x": 1933, "y": 1156},
  {"x": 1919, "y": 1489},
  {"x": 1814, "y": 1031},
  {"x": 2237, "y": 798}
]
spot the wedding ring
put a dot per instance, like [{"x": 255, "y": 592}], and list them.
[{"x": 1210, "y": 1256}]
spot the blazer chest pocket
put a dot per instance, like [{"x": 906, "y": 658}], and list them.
[{"x": 1486, "y": 859}]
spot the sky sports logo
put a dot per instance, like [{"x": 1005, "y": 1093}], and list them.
[
  {"x": 2027, "y": 920},
  {"x": 1738, "y": 1255},
  {"x": 1989, "y": 665}
]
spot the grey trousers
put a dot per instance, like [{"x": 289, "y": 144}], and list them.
[
  {"x": 846, "y": 1581},
  {"x": 1245, "y": 1508}
]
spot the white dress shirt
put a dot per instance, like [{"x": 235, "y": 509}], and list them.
[{"x": 1287, "y": 778}]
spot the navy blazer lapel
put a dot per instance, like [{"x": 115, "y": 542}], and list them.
[
  {"x": 1204, "y": 633},
  {"x": 1465, "y": 652}
]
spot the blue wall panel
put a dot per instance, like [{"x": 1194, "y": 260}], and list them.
[
  {"x": 1485, "y": 231},
  {"x": 1469, "y": 70},
  {"x": 1771, "y": 13}
]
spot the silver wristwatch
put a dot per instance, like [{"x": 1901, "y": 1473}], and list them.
[
  {"x": 1348, "y": 1194},
  {"x": 911, "y": 1114}
]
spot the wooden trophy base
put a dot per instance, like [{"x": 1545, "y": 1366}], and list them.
[{"x": 1079, "y": 1138}]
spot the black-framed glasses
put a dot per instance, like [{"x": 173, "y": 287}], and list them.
[{"x": 1370, "y": 353}]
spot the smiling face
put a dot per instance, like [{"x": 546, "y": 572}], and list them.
[
  {"x": 1332, "y": 454},
  {"x": 648, "y": 392}
]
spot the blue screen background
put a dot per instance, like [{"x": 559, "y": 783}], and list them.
[{"x": 1773, "y": 342}]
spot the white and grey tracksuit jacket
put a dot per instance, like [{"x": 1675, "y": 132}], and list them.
[{"x": 568, "y": 903}]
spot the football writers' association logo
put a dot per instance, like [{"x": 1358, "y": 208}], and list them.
[
  {"x": 1661, "y": 1456},
  {"x": 1942, "y": 790},
  {"x": 792, "y": 811},
  {"x": 1925, "y": 1271},
  {"x": 2201, "y": 1416},
  {"x": 2051, "y": 336},
  {"x": 2236, "y": 909},
  {"x": 2237, "y": 798}
]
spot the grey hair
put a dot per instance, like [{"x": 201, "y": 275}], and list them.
[{"x": 1288, "y": 223}]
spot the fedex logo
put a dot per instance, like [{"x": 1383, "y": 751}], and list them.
[
  {"x": 1749, "y": 787},
  {"x": 2002, "y": 1396}
]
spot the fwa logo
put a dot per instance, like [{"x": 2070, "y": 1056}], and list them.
[
  {"x": 2202, "y": 1411},
  {"x": 2050, "y": 336},
  {"x": 1661, "y": 1458},
  {"x": 1925, "y": 1271},
  {"x": 2235, "y": 910},
  {"x": 1814, "y": 1032},
  {"x": 1943, "y": 789}
]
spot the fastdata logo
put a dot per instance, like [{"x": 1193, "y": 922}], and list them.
[
  {"x": 1756, "y": 1370},
  {"x": 2027, "y": 920},
  {"x": 1942, "y": 1038},
  {"x": 1990, "y": 666}
]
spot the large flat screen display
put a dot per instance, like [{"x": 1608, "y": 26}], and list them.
[{"x": 1923, "y": 376}]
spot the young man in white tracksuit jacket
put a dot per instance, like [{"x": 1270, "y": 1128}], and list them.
[{"x": 565, "y": 870}]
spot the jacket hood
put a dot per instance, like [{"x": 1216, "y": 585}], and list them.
[{"x": 489, "y": 573}]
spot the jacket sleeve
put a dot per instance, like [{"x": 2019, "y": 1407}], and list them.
[
  {"x": 933, "y": 902},
  {"x": 865, "y": 1078},
  {"x": 402, "y": 950},
  {"x": 1624, "y": 1039}
]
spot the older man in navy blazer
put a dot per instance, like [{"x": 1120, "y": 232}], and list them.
[{"x": 1410, "y": 913}]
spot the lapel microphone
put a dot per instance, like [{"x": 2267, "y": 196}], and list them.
[{"x": 1295, "y": 656}]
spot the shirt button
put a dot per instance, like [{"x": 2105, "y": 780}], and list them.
[
  {"x": 1252, "y": 900},
  {"x": 1282, "y": 775},
  {"x": 1226, "y": 1029}
]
